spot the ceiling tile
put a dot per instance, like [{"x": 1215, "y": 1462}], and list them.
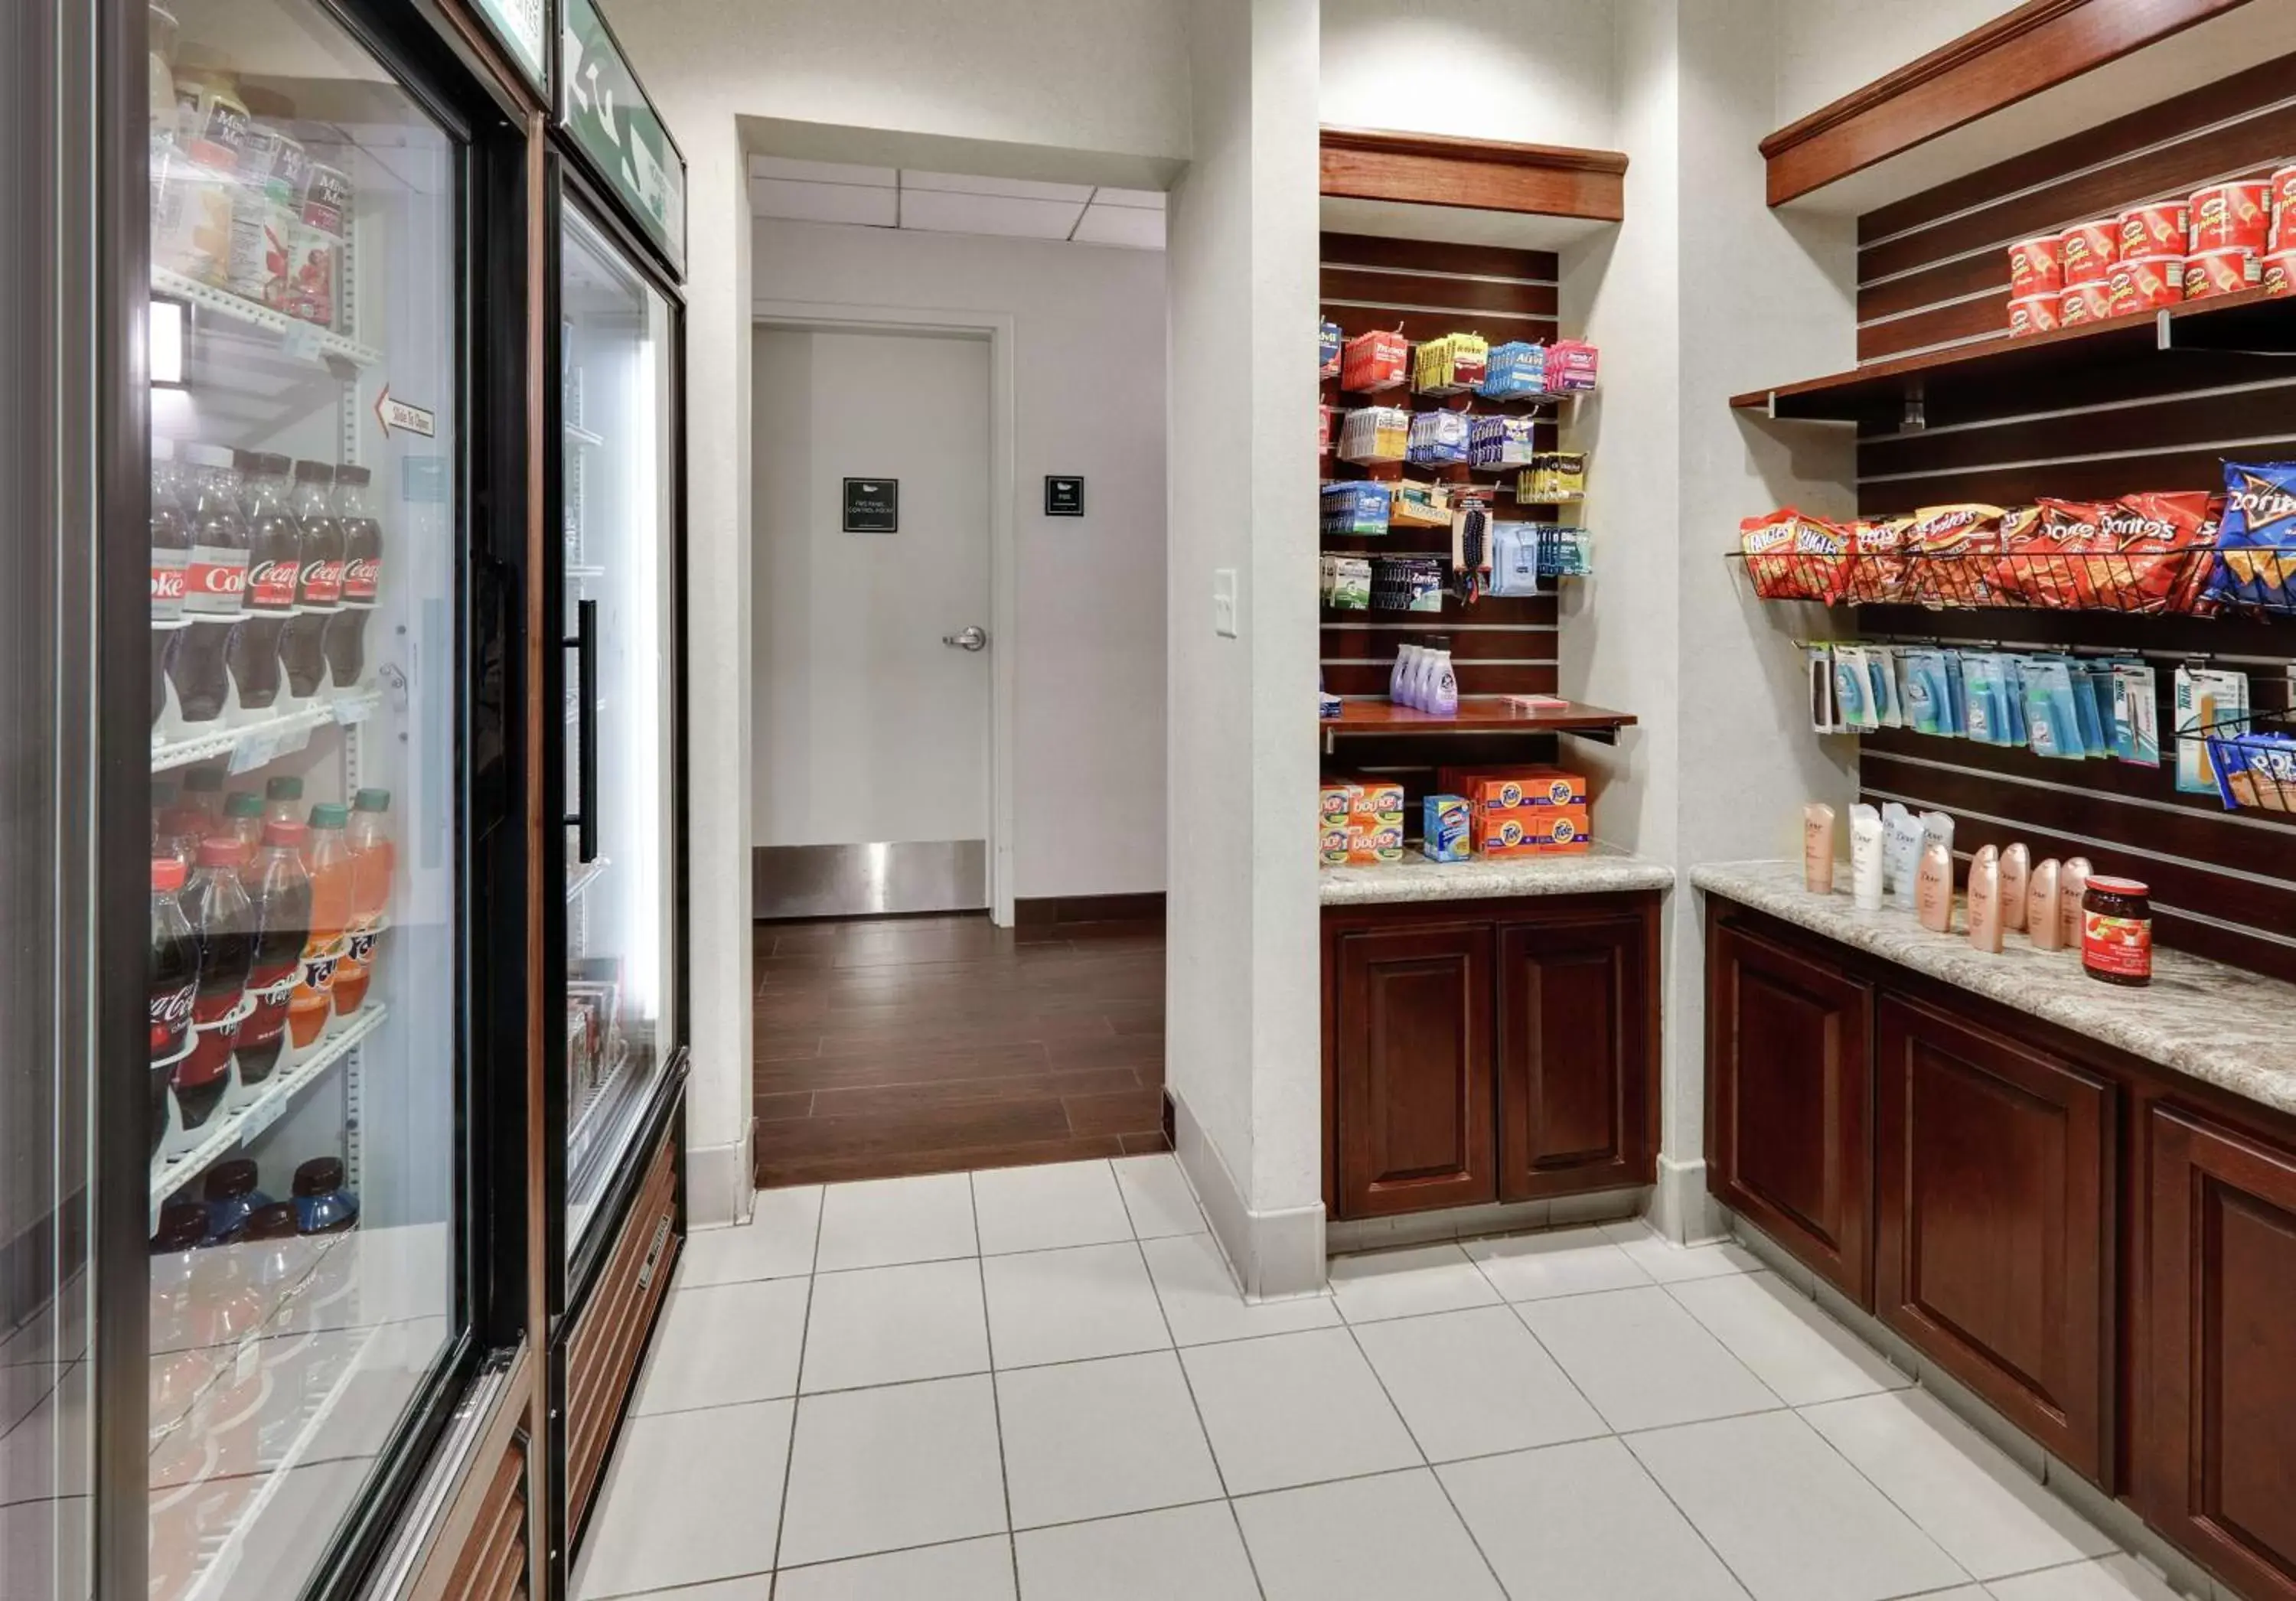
[
  {"x": 945, "y": 213},
  {"x": 958, "y": 182},
  {"x": 825, "y": 202},
  {"x": 1121, "y": 224},
  {"x": 822, "y": 172},
  {"x": 1146, "y": 199}
]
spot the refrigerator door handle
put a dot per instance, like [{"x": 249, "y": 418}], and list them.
[{"x": 584, "y": 644}]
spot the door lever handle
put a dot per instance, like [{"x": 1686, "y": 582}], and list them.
[{"x": 972, "y": 637}]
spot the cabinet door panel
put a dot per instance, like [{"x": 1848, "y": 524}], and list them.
[
  {"x": 2215, "y": 1450},
  {"x": 1787, "y": 1100},
  {"x": 1414, "y": 1070},
  {"x": 1573, "y": 1056},
  {"x": 1994, "y": 1222}
]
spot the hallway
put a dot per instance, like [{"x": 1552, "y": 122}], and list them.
[
  {"x": 890, "y": 1047},
  {"x": 1041, "y": 1382}
]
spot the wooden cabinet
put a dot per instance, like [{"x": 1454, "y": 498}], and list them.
[
  {"x": 1995, "y": 1172},
  {"x": 1577, "y": 1022},
  {"x": 1787, "y": 1126},
  {"x": 2214, "y": 1446},
  {"x": 1487, "y": 1051},
  {"x": 1414, "y": 1060},
  {"x": 609, "y": 1336}
]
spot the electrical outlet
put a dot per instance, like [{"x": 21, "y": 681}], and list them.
[{"x": 1224, "y": 602}]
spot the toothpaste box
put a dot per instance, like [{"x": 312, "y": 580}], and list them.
[{"x": 1446, "y": 823}]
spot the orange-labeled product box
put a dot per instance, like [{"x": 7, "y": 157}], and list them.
[
  {"x": 1361, "y": 822},
  {"x": 1531, "y": 831},
  {"x": 1505, "y": 789}
]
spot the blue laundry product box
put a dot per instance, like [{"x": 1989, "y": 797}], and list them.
[{"x": 1445, "y": 824}]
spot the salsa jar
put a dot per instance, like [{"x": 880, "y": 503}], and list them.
[{"x": 2117, "y": 931}]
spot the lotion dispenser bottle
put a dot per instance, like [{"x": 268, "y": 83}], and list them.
[
  {"x": 2072, "y": 885},
  {"x": 2042, "y": 918},
  {"x": 1817, "y": 848},
  {"x": 1865, "y": 857},
  {"x": 1933, "y": 891},
  {"x": 1985, "y": 901},
  {"x": 2016, "y": 876}
]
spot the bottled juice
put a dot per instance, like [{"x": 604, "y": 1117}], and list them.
[
  {"x": 282, "y": 797},
  {"x": 281, "y": 893},
  {"x": 327, "y": 860},
  {"x": 373, "y": 861}
]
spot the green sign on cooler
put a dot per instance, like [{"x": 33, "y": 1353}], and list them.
[
  {"x": 523, "y": 28},
  {"x": 609, "y": 116}
]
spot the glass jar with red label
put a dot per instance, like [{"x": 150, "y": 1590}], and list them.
[{"x": 2117, "y": 931}]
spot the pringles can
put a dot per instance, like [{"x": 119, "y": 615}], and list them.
[
  {"x": 2235, "y": 215},
  {"x": 2145, "y": 284},
  {"x": 2034, "y": 268},
  {"x": 2163, "y": 229},
  {"x": 2086, "y": 251}
]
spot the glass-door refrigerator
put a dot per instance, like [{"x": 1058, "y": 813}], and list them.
[
  {"x": 615, "y": 1020},
  {"x": 250, "y": 1268}
]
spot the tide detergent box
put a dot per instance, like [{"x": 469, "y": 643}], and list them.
[
  {"x": 1531, "y": 830},
  {"x": 1508, "y": 789},
  {"x": 1446, "y": 826}
]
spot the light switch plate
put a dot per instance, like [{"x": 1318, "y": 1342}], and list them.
[{"x": 1224, "y": 602}]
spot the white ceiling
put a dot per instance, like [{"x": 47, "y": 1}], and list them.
[{"x": 945, "y": 203}]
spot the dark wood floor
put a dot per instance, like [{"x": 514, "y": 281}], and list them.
[{"x": 933, "y": 1045}]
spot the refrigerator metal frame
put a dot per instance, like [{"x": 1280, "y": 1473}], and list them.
[{"x": 440, "y": 77}]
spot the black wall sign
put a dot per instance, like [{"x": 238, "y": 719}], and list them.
[
  {"x": 1064, "y": 496},
  {"x": 872, "y": 505}
]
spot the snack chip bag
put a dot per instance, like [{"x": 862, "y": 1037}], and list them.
[
  {"x": 2038, "y": 547},
  {"x": 2256, "y": 546},
  {"x": 1877, "y": 562},
  {"x": 1953, "y": 550},
  {"x": 2150, "y": 557},
  {"x": 1793, "y": 557}
]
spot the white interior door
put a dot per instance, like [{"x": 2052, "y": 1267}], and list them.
[{"x": 872, "y": 730}]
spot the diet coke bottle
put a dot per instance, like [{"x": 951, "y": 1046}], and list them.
[
  {"x": 215, "y": 586},
  {"x": 171, "y": 555},
  {"x": 319, "y": 590},
  {"x": 346, "y": 633},
  {"x": 275, "y": 551}
]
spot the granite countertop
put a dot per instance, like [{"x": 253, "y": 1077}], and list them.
[
  {"x": 1600, "y": 871},
  {"x": 2226, "y": 1027}
]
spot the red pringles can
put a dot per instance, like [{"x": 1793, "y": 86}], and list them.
[
  {"x": 2086, "y": 251},
  {"x": 2034, "y": 268},
  {"x": 2032, "y": 313},
  {"x": 2280, "y": 274},
  {"x": 2283, "y": 209},
  {"x": 2082, "y": 303},
  {"x": 2235, "y": 215},
  {"x": 2163, "y": 229},
  {"x": 2218, "y": 273},
  {"x": 2145, "y": 284}
]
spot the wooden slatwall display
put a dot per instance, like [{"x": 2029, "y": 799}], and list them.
[
  {"x": 1933, "y": 273},
  {"x": 1498, "y": 645}
]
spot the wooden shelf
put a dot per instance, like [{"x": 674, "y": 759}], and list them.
[
  {"x": 1477, "y": 714},
  {"x": 1487, "y": 175},
  {"x": 2227, "y": 338}
]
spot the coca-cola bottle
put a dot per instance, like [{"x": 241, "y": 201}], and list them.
[
  {"x": 173, "y": 975},
  {"x": 280, "y": 893},
  {"x": 224, "y": 920},
  {"x": 274, "y": 557},
  {"x": 215, "y": 587},
  {"x": 346, "y": 632},
  {"x": 171, "y": 556},
  {"x": 319, "y": 589}
]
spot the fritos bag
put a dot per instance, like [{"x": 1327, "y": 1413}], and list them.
[{"x": 1953, "y": 550}]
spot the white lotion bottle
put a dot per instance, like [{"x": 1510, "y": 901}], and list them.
[{"x": 1865, "y": 857}]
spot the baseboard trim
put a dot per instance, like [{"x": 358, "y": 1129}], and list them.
[
  {"x": 1050, "y": 911},
  {"x": 1342, "y": 1235},
  {"x": 1273, "y": 1255},
  {"x": 2116, "y": 1518},
  {"x": 1681, "y": 1208},
  {"x": 718, "y": 1188}
]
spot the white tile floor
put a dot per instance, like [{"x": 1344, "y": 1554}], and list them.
[{"x": 1040, "y": 1384}]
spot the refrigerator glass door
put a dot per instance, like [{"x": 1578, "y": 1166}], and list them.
[
  {"x": 308, "y": 955},
  {"x": 620, "y": 922}
]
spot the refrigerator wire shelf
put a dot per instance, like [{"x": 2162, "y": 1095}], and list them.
[
  {"x": 285, "y": 1086},
  {"x": 254, "y": 742},
  {"x": 169, "y": 284}
]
